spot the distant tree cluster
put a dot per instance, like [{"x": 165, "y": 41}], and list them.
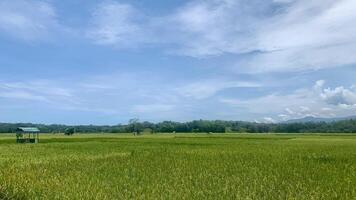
[
  {"x": 196, "y": 126},
  {"x": 69, "y": 131}
]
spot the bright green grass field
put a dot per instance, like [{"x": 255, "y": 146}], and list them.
[{"x": 179, "y": 166}]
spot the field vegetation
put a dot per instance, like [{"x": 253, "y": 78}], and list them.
[{"x": 179, "y": 166}]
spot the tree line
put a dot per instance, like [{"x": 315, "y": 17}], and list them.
[{"x": 196, "y": 126}]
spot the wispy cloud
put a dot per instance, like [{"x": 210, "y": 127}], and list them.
[
  {"x": 117, "y": 24},
  {"x": 80, "y": 108},
  {"x": 210, "y": 87},
  {"x": 54, "y": 95},
  {"x": 278, "y": 35},
  {"x": 22, "y": 95},
  {"x": 152, "y": 108},
  {"x": 272, "y": 35},
  {"x": 205, "y": 28},
  {"x": 28, "y": 19},
  {"x": 282, "y": 35},
  {"x": 40, "y": 90},
  {"x": 269, "y": 120}
]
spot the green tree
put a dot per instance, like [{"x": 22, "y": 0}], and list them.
[
  {"x": 69, "y": 131},
  {"x": 135, "y": 126}
]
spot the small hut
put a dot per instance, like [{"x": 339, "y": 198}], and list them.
[{"x": 27, "y": 135}]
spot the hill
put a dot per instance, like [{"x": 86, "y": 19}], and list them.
[{"x": 319, "y": 119}]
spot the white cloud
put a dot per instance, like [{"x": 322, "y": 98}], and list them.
[
  {"x": 96, "y": 86},
  {"x": 339, "y": 96},
  {"x": 277, "y": 35},
  {"x": 319, "y": 84},
  {"x": 90, "y": 110},
  {"x": 302, "y": 102},
  {"x": 205, "y": 28},
  {"x": 22, "y": 95},
  {"x": 307, "y": 35},
  {"x": 53, "y": 95},
  {"x": 116, "y": 24},
  {"x": 299, "y": 59},
  {"x": 152, "y": 108},
  {"x": 326, "y": 109},
  {"x": 284, "y": 117},
  {"x": 281, "y": 35},
  {"x": 269, "y": 120},
  {"x": 36, "y": 91},
  {"x": 304, "y": 109},
  {"x": 198, "y": 28},
  {"x": 207, "y": 88},
  {"x": 309, "y": 24},
  {"x": 276, "y": 103},
  {"x": 289, "y": 111},
  {"x": 27, "y": 19}
]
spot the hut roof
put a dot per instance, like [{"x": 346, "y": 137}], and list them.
[{"x": 28, "y": 129}]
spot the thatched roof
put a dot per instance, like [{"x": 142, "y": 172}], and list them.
[{"x": 28, "y": 129}]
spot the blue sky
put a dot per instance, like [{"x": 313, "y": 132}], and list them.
[{"x": 104, "y": 62}]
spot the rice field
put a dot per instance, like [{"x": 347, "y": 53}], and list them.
[{"x": 179, "y": 166}]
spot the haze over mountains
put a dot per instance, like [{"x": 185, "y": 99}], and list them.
[{"x": 319, "y": 119}]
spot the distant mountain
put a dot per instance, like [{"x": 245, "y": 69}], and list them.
[{"x": 319, "y": 119}]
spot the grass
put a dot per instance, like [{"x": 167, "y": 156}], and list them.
[{"x": 180, "y": 166}]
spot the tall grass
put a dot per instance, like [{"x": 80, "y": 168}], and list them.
[{"x": 179, "y": 167}]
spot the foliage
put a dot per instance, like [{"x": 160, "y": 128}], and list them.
[
  {"x": 135, "y": 126},
  {"x": 69, "y": 131},
  {"x": 198, "y": 126}
]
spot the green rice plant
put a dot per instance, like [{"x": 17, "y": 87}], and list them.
[{"x": 179, "y": 166}]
